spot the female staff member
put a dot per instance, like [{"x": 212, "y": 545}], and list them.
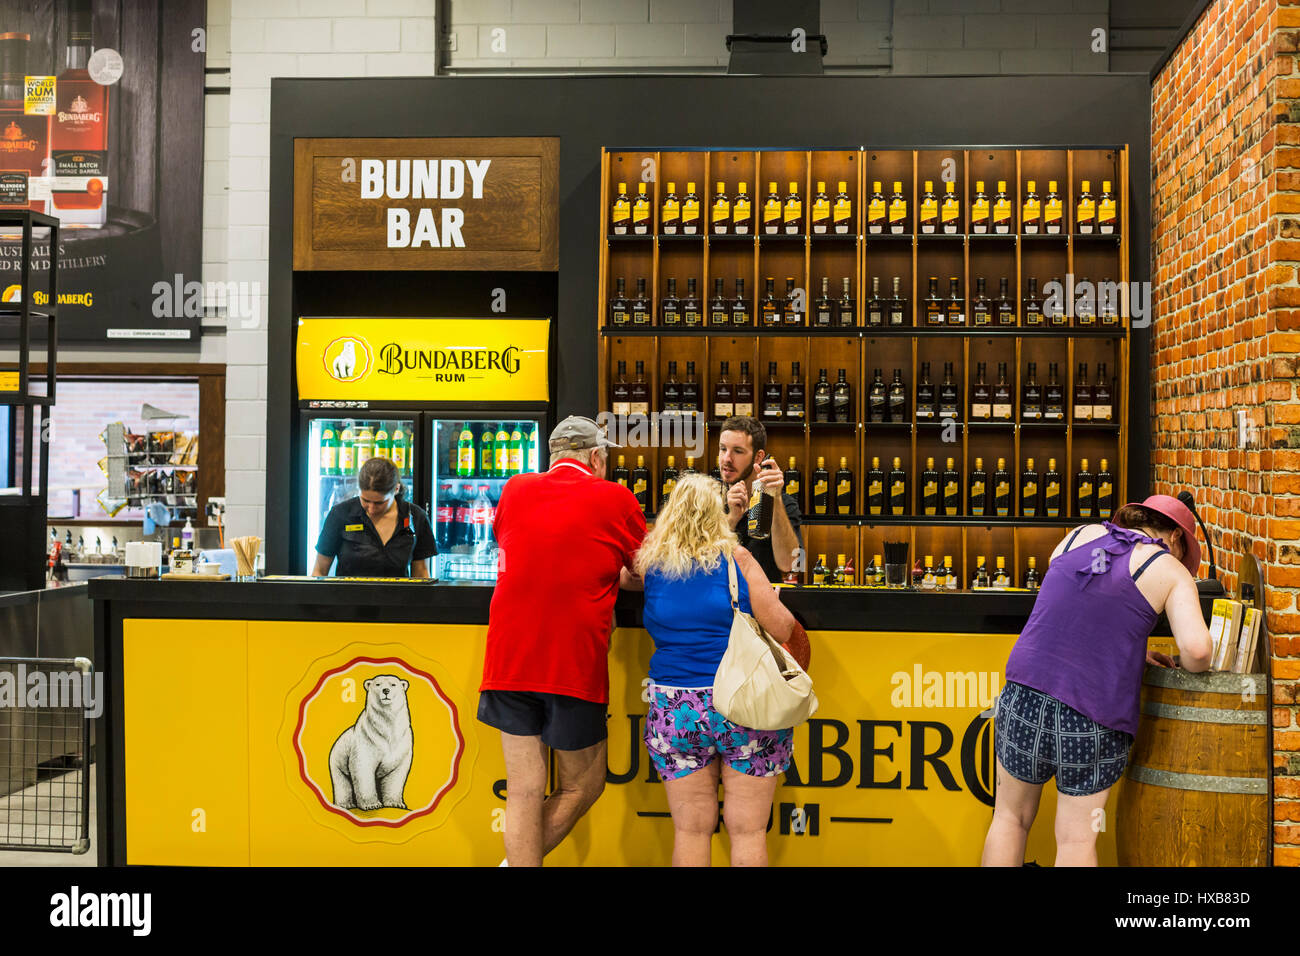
[
  {"x": 376, "y": 534},
  {"x": 684, "y": 564},
  {"x": 1074, "y": 679}
]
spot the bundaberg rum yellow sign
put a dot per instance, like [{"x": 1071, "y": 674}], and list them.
[{"x": 426, "y": 360}]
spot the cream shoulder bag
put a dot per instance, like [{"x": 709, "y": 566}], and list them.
[{"x": 758, "y": 684}]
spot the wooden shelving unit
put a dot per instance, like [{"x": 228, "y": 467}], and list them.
[{"x": 859, "y": 350}]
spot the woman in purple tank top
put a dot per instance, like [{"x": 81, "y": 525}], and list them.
[{"x": 1069, "y": 709}]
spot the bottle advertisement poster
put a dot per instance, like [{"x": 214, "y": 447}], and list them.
[{"x": 92, "y": 136}]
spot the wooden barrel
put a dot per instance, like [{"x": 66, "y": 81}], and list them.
[{"x": 1196, "y": 789}]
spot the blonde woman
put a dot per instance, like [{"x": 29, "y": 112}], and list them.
[{"x": 688, "y": 613}]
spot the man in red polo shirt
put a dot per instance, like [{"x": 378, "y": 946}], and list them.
[{"x": 567, "y": 537}]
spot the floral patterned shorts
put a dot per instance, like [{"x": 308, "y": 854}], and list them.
[{"x": 683, "y": 733}]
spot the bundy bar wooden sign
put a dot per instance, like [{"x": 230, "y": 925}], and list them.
[{"x": 426, "y": 204}]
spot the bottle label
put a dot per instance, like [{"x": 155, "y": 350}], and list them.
[
  {"x": 977, "y": 490},
  {"x": 1031, "y": 489},
  {"x": 876, "y": 489},
  {"x": 622, "y": 408},
  {"x": 671, "y": 210},
  {"x": 821, "y": 210},
  {"x": 691, "y": 211},
  {"x": 1002, "y": 411},
  {"x": 1106, "y": 212},
  {"x": 1085, "y": 490},
  {"x": 515, "y": 458},
  {"x": 329, "y": 459},
  {"x": 843, "y": 209},
  {"x": 623, "y": 482},
  {"x": 980, "y": 410},
  {"x": 399, "y": 457},
  {"x": 718, "y": 317},
  {"x": 1052, "y": 213},
  {"x": 979, "y": 212},
  {"x": 950, "y": 490},
  {"x": 876, "y": 211},
  {"x": 951, "y": 210},
  {"x": 772, "y": 211},
  {"x": 1104, "y": 491},
  {"x": 348, "y": 459},
  {"x": 723, "y": 410},
  {"x": 1101, "y": 413},
  {"x": 1001, "y": 212},
  {"x": 842, "y": 488},
  {"x": 1087, "y": 209},
  {"x": 896, "y": 489},
  {"x": 500, "y": 458},
  {"x": 1031, "y": 213},
  {"x": 721, "y": 211},
  {"x": 897, "y": 211},
  {"x": 745, "y": 409},
  {"x": 793, "y": 210},
  {"x": 741, "y": 211},
  {"x": 638, "y": 487},
  {"x": 819, "y": 491},
  {"x": 622, "y": 210},
  {"x": 640, "y": 212},
  {"x": 669, "y": 485},
  {"x": 929, "y": 210},
  {"x": 792, "y": 486}
]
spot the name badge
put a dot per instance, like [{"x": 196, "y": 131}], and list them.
[{"x": 354, "y": 527}]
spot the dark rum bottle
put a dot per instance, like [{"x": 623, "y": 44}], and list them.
[
  {"x": 1033, "y": 306},
  {"x": 1103, "y": 409},
  {"x": 822, "y": 398},
  {"x": 640, "y": 392},
  {"x": 794, "y": 483},
  {"x": 955, "y": 307},
  {"x": 1052, "y": 490},
  {"x": 978, "y": 485},
  {"x": 875, "y": 488},
  {"x": 795, "y": 406},
  {"x": 670, "y": 312},
  {"x": 620, "y": 313},
  {"x": 621, "y": 474},
  {"x": 981, "y": 396},
  {"x": 641, "y": 484},
  {"x": 792, "y": 307},
  {"x": 929, "y": 489},
  {"x": 692, "y": 314},
  {"x": 949, "y": 402},
  {"x": 1003, "y": 399},
  {"x": 898, "y": 305},
  {"x": 980, "y": 312},
  {"x": 1085, "y": 501},
  {"x": 671, "y": 392},
  {"x": 667, "y": 481},
  {"x": 951, "y": 479},
  {"x": 1105, "y": 492},
  {"x": 1053, "y": 397},
  {"x": 875, "y": 305},
  {"x": 641, "y": 306},
  {"x": 621, "y": 392},
  {"x": 841, "y": 399},
  {"x": 897, "y": 398},
  {"x": 691, "y": 403},
  {"x": 1002, "y": 490},
  {"x": 1031, "y": 397},
  {"x": 897, "y": 489},
  {"x": 1082, "y": 395},
  {"x": 821, "y": 488},
  {"x": 769, "y": 307},
  {"x": 744, "y": 392},
  {"x": 1029, "y": 487},
  {"x": 925, "y": 395},
  {"x": 844, "y": 489},
  {"x": 719, "y": 312},
  {"x": 724, "y": 396},
  {"x": 773, "y": 395},
  {"x": 740, "y": 307},
  {"x": 823, "y": 310},
  {"x": 934, "y": 304},
  {"x": 1006, "y": 308},
  {"x": 845, "y": 314},
  {"x": 876, "y": 399}
]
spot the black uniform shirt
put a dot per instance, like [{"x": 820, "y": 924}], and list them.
[{"x": 349, "y": 535}]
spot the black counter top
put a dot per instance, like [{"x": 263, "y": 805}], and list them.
[
  {"x": 850, "y": 609},
  {"x": 75, "y": 589}
]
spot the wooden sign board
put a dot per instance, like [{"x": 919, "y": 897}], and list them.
[{"x": 426, "y": 204}]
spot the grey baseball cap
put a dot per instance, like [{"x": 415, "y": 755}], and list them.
[{"x": 576, "y": 433}]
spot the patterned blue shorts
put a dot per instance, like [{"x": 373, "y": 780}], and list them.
[
  {"x": 683, "y": 734},
  {"x": 1037, "y": 737}
]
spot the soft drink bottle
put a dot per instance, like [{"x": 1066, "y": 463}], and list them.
[
  {"x": 444, "y": 519},
  {"x": 481, "y": 534}
]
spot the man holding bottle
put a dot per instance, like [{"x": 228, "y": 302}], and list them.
[{"x": 745, "y": 467}]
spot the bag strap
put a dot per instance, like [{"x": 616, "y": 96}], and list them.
[{"x": 731, "y": 582}]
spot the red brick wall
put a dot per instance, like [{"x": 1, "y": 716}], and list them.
[{"x": 1225, "y": 151}]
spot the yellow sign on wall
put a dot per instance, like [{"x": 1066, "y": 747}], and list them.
[{"x": 428, "y": 360}]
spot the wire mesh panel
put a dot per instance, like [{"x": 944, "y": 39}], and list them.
[{"x": 46, "y": 705}]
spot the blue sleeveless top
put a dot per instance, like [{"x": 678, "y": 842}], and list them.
[{"x": 690, "y": 621}]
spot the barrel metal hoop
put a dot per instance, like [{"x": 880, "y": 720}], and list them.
[
  {"x": 1197, "y": 781},
  {"x": 1218, "y": 682},
  {"x": 1204, "y": 715}
]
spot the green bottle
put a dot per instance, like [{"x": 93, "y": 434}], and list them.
[
  {"x": 329, "y": 452},
  {"x": 465, "y": 453},
  {"x": 533, "y": 464},
  {"x": 515, "y": 451},
  {"x": 487, "y": 453}
]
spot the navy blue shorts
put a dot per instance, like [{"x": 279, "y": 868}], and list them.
[
  {"x": 563, "y": 723},
  {"x": 1036, "y": 737}
]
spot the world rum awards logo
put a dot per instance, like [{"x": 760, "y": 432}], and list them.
[
  {"x": 376, "y": 748},
  {"x": 347, "y": 359}
]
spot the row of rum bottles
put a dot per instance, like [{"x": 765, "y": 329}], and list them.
[
  {"x": 941, "y": 215},
  {"x": 723, "y": 311},
  {"x": 925, "y": 576},
  {"x": 1092, "y": 306},
  {"x": 776, "y": 401},
  {"x": 732, "y": 214}
]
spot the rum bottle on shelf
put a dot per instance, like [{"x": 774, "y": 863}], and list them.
[
  {"x": 823, "y": 310},
  {"x": 897, "y": 211},
  {"x": 1006, "y": 308},
  {"x": 691, "y": 392},
  {"x": 1031, "y": 212},
  {"x": 1053, "y": 397},
  {"x": 1031, "y": 396},
  {"x": 792, "y": 211},
  {"x": 1052, "y": 212},
  {"x": 769, "y": 307},
  {"x": 876, "y": 399},
  {"x": 641, "y": 212},
  {"x": 641, "y": 307},
  {"x": 670, "y": 311},
  {"x": 724, "y": 396},
  {"x": 875, "y": 305},
  {"x": 740, "y": 307},
  {"x": 1002, "y": 490},
  {"x": 978, "y": 485},
  {"x": 846, "y": 314},
  {"x": 1085, "y": 501},
  {"x": 667, "y": 481},
  {"x": 841, "y": 403},
  {"x": 934, "y": 304},
  {"x": 981, "y": 397},
  {"x": 842, "y": 212},
  {"x": 1002, "y": 579},
  {"x": 897, "y": 305},
  {"x": 791, "y": 306},
  {"x": 821, "y": 488},
  {"x": 621, "y": 475},
  {"x": 821, "y": 211},
  {"x": 1085, "y": 212},
  {"x": 897, "y": 489},
  {"x": 671, "y": 390},
  {"x": 980, "y": 313},
  {"x": 742, "y": 210},
  {"x": 1052, "y": 490},
  {"x": 875, "y": 488},
  {"x": 1082, "y": 395},
  {"x": 795, "y": 406},
  {"x": 877, "y": 211},
  {"x": 720, "y": 213},
  {"x": 929, "y": 489},
  {"x": 951, "y": 479},
  {"x": 690, "y": 211},
  {"x": 773, "y": 398},
  {"x": 950, "y": 210},
  {"x": 1029, "y": 506},
  {"x": 1108, "y": 304},
  {"x": 1058, "y": 315},
  {"x": 744, "y": 392},
  {"x": 1002, "y": 210},
  {"x": 641, "y": 484},
  {"x": 690, "y": 466},
  {"x": 621, "y": 392},
  {"x": 822, "y": 398},
  {"x": 949, "y": 401},
  {"x": 640, "y": 392},
  {"x": 897, "y": 398},
  {"x": 950, "y": 575},
  {"x": 1105, "y": 492},
  {"x": 620, "y": 314},
  {"x": 925, "y": 395},
  {"x": 844, "y": 489},
  {"x": 929, "y": 215},
  {"x": 621, "y": 214},
  {"x": 794, "y": 483},
  {"x": 670, "y": 212},
  {"x": 979, "y": 210},
  {"x": 1031, "y": 575},
  {"x": 820, "y": 573},
  {"x": 719, "y": 311},
  {"x": 1103, "y": 409},
  {"x": 981, "y": 573},
  {"x": 956, "y": 305},
  {"x": 772, "y": 211},
  {"x": 1033, "y": 306},
  {"x": 692, "y": 314},
  {"x": 1002, "y": 396},
  {"x": 1106, "y": 210},
  {"x": 1085, "y": 311}
]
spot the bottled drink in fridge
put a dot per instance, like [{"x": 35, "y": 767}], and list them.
[
  {"x": 481, "y": 511},
  {"x": 401, "y": 451},
  {"x": 515, "y": 451},
  {"x": 347, "y": 451},
  {"x": 532, "y": 456},
  {"x": 444, "y": 520},
  {"x": 487, "y": 445},
  {"x": 465, "y": 453},
  {"x": 365, "y": 445},
  {"x": 329, "y": 451},
  {"x": 502, "y": 449},
  {"x": 383, "y": 447}
]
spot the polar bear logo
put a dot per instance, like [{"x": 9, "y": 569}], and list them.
[
  {"x": 370, "y": 760},
  {"x": 346, "y": 361}
]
